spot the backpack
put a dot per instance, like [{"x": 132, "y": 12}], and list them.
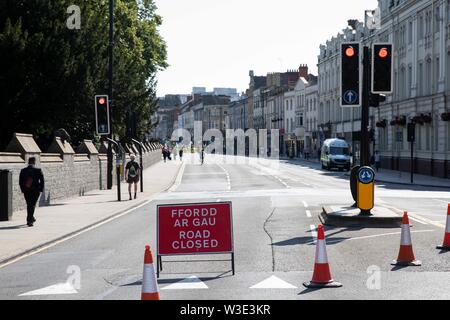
[{"x": 132, "y": 172}]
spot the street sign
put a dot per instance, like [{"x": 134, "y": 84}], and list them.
[
  {"x": 366, "y": 175},
  {"x": 350, "y": 74},
  {"x": 382, "y": 66},
  {"x": 350, "y": 97},
  {"x": 102, "y": 122},
  {"x": 192, "y": 229},
  {"x": 195, "y": 229}
]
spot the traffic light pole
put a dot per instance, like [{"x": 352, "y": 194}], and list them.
[
  {"x": 109, "y": 176},
  {"x": 365, "y": 137}
]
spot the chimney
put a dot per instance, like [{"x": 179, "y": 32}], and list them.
[{"x": 303, "y": 71}]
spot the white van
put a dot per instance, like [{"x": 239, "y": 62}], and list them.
[{"x": 335, "y": 154}]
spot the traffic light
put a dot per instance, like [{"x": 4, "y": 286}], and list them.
[
  {"x": 350, "y": 75},
  {"x": 382, "y": 63},
  {"x": 102, "y": 115},
  {"x": 411, "y": 132},
  {"x": 375, "y": 99},
  {"x": 131, "y": 124}
]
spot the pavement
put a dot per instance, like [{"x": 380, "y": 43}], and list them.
[
  {"x": 64, "y": 218},
  {"x": 276, "y": 207}
]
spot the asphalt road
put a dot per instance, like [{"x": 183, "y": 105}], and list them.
[{"x": 275, "y": 211}]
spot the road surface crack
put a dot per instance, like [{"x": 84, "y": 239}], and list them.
[{"x": 270, "y": 237}]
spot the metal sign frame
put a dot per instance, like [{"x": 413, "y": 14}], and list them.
[
  {"x": 360, "y": 75},
  {"x": 159, "y": 262}
]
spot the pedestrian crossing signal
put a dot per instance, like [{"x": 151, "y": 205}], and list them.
[{"x": 102, "y": 115}]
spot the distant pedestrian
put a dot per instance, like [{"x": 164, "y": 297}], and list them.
[
  {"x": 31, "y": 181},
  {"x": 306, "y": 151},
  {"x": 180, "y": 153},
  {"x": 132, "y": 173},
  {"x": 165, "y": 152},
  {"x": 377, "y": 160}
]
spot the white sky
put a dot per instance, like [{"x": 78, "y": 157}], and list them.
[{"x": 214, "y": 43}]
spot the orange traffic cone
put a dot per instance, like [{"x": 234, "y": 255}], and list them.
[
  {"x": 149, "y": 284},
  {"x": 406, "y": 255},
  {"x": 446, "y": 245},
  {"x": 322, "y": 276}
]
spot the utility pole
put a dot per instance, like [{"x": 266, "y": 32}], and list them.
[{"x": 110, "y": 93}]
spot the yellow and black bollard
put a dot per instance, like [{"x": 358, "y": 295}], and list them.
[{"x": 366, "y": 190}]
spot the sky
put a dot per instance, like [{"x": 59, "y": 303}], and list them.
[{"x": 214, "y": 43}]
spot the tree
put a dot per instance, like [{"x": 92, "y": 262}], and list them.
[{"x": 50, "y": 74}]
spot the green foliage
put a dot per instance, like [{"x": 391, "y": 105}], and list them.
[{"x": 49, "y": 74}]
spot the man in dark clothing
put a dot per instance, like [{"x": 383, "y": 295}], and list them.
[{"x": 31, "y": 181}]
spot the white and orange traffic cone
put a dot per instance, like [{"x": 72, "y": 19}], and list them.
[
  {"x": 446, "y": 245},
  {"x": 406, "y": 254},
  {"x": 149, "y": 284},
  {"x": 322, "y": 276}
]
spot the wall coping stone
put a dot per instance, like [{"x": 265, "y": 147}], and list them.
[
  {"x": 23, "y": 143},
  {"x": 58, "y": 146},
  {"x": 10, "y": 157},
  {"x": 50, "y": 157},
  {"x": 87, "y": 146}
]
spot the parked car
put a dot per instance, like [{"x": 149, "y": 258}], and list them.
[{"x": 336, "y": 154}]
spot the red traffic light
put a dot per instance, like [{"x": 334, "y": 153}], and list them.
[
  {"x": 383, "y": 53},
  {"x": 102, "y": 101},
  {"x": 350, "y": 52}
]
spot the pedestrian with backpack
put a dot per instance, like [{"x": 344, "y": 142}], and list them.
[
  {"x": 132, "y": 173},
  {"x": 31, "y": 182}
]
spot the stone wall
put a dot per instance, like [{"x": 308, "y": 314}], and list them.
[{"x": 67, "y": 173}]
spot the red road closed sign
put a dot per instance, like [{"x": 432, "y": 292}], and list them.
[{"x": 204, "y": 228}]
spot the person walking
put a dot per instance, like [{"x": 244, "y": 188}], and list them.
[
  {"x": 180, "y": 153},
  {"x": 31, "y": 182},
  {"x": 377, "y": 160},
  {"x": 132, "y": 173},
  {"x": 165, "y": 152}
]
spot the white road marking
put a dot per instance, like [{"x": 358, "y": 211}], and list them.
[
  {"x": 313, "y": 232},
  {"x": 448, "y": 202},
  {"x": 308, "y": 214},
  {"x": 190, "y": 283},
  {"x": 305, "y": 204},
  {"x": 178, "y": 179},
  {"x": 228, "y": 177},
  {"x": 416, "y": 220},
  {"x": 273, "y": 283},
  {"x": 376, "y": 236},
  {"x": 95, "y": 226},
  {"x": 57, "y": 289}
]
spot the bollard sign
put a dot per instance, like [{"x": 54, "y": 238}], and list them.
[{"x": 204, "y": 228}]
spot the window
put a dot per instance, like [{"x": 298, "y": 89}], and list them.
[
  {"x": 420, "y": 79},
  {"x": 410, "y": 33},
  {"x": 409, "y": 81},
  {"x": 428, "y": 79},
  {"x": 436, "y": 74},
  {"x": 420, "y": 27},
  {"x": 437, "y": 16}
]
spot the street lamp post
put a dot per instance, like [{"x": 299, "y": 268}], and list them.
[{"x": 109, "y": 176}]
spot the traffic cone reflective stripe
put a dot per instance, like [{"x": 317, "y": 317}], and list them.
[
  {"x": 150, "y": 289},
  {"x": 322, "y": 275},
  {"x": 406, "y": 252},
  {"x": 446, "y": 244}
]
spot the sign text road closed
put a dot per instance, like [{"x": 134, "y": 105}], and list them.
[{"x": 203, "y": 228}]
